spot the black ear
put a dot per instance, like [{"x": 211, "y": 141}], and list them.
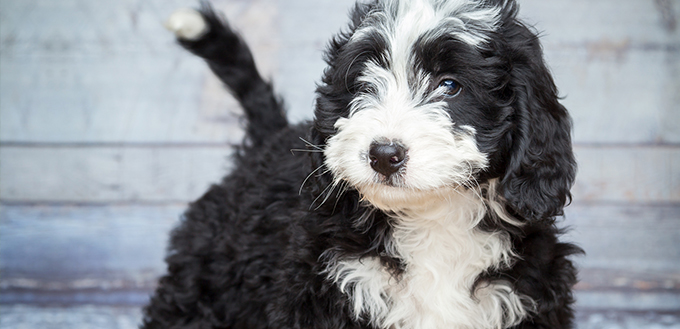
[
  {"x": 541, "y": 168},
  {"x": 335, "y": 92}
]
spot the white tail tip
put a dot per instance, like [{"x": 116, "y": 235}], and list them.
[{"x": 187, "y": 24}]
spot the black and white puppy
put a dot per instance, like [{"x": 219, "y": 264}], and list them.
[{"x": 422, "y": 196}]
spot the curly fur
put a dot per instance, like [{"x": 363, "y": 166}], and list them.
[{"x": 462, "y": 236}]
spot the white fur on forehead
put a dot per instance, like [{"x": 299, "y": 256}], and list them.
[
  {"x": 403, "y": 25},
  {"x": 402, "y": 22}
]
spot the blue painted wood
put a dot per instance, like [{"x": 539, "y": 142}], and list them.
[
  {"x": 106, "y": 71},
  {"x": 627, "y": 238},
  {"x": 158, "y": 173},
  {"x": 76, "y": 253},
  {"x": 579, "y": 22},
  {"x": 617, "y": 63},
  {"x": 82, "y": 317},
  {"x": 636, "y": 174},
  {"x": 119, "y": 317},
  {"x": 635, "y": 301},
  {"x": 618, "y": 93},
  {"x": 107, "y": 127},
  {"x": 62, "y": 248}
]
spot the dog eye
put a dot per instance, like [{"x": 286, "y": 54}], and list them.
[{"x": 452, "y": 88}]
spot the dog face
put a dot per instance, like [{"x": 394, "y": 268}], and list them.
[{"x": 424, "y": 97}]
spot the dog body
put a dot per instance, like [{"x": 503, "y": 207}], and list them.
[{"x": 423, "y": 195}]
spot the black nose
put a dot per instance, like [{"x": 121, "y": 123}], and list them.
[{"x": 387, "y": 158}]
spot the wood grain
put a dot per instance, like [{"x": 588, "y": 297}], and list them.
[
  {"x": 110, "y": 174},
  {"x": 625, "y": 237},
  {"x": 583, "y": 21},
  {"x": 108, "y": 129},
  {"x": 84, "y": 247},
  {"x": 121, "y": 317},
  {"x": 618, "y": 67},
  {"x": 649, "y": 174},
  {"x": 121, "y": 247},
  {"x": 615, "y": 96}
]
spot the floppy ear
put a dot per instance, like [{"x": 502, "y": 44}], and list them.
[{"x": 541, "y": 168}]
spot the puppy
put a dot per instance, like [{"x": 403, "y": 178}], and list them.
[{"x": 422, "y": 196}]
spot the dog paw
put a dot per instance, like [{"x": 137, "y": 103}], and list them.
[{"x": 187, "y": 24}]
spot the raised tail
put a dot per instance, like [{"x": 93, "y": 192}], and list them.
[{"x": 208, "y": 36}]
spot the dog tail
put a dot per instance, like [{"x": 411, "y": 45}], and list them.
[{"x": 208, "y": 36}]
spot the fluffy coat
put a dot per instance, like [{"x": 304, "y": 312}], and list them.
[{"x": 307, "y": 231}]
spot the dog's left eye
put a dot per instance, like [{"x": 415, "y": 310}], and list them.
[{"x": 451, "y": 87}]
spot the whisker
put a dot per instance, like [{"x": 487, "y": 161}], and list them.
[
  {"x": 307, "y": 178},
  {"x": 343, "y": 189},
  {"x": 305, "y": 150},
  {"x": 311, "y": 145},
  {"x": 330, "y": 186},
  {"x": 471, "y": 178},
  {"x": 328, "y": 195}
]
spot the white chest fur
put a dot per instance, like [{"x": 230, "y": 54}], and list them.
[{"x": 444, "y": 254}]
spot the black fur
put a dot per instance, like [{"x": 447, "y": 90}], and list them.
[{"x": 251, "y": 251}]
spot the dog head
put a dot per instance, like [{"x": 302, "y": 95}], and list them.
[{"x": 424, "y": 97}]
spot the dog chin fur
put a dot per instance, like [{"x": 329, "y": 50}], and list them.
[{"x": 458, "y": 233}]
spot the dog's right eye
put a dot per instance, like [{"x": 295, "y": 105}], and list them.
[{"x": 451, "y": 87}]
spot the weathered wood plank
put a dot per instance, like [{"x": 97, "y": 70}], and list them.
[
  {"x": 627, "y": 238},
  {"x": 608, "y": 105},
  {"x": 84, "y": 296},
  {"x": 638, "y": 279},
  {"x": 177, "y": 101},
  {"x": 112, "y": 255},
  {"x": 121, "y": 317},
  {"x": 123, "y": 81},
  {"x": 127, "y": 81},
  {"x": 565, "y": 22},
  {"x": 81, "y": 317},
  {"x": 610, "y": 301},
  {"x": 638, "y": 301},
  {"x": 61, "y": 248},
  {"x": 110, "y": 174},
  {"x": 122, "y": 247},
  {"x": 618, "y": 65},
  {"x": 627, "y": 174},
  {"x": 603, "y": 319},
  {"x": 120, "y": 99},
  {"x": 157, "y": 173},
  {"x": 77, "y": 29}
]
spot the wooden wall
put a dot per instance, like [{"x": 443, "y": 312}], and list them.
[{"x": 108, "y": 129}]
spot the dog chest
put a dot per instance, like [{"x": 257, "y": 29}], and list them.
[{"x": 443, "y": 257}]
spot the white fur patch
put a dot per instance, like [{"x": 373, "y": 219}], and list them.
[
  {"x": 444, "y": 254},
  {"x": 187, "y": 24},
  {"x": 402, "y": 22}
]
